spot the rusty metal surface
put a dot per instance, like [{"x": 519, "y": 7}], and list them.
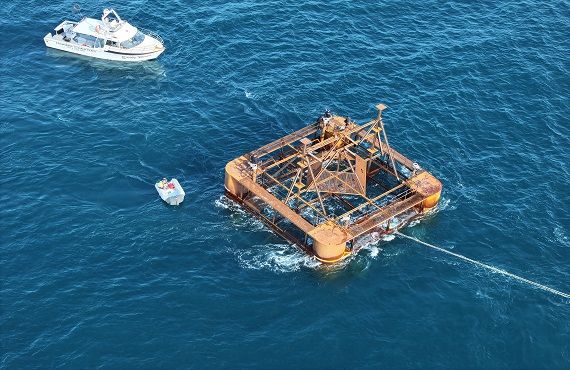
[
  {"x": 385, "y": 214},
  {"x": 424, "y": 184},
  {"x": 291, "y": 138},
  {"x": 335, "y": 173},
  {"x": 277, "y": 205},
  {"x": 337, "y": 182}
]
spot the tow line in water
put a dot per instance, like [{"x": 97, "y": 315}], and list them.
[{"x": 489, "y": 267}]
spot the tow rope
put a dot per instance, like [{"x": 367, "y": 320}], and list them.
[{"x": 489, "y": 267}]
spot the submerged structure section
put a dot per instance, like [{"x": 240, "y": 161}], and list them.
[{"x": 330, "y": 183}]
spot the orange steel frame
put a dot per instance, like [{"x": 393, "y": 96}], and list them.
[{"x": 329, "y": 183}]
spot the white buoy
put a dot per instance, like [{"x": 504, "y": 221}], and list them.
[{"x": 170, "y": 191}]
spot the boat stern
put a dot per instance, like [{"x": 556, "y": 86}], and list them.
[{"x": 47, "y": 38}]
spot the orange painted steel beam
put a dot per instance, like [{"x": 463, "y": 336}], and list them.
[{"x": 306, "y": 164}]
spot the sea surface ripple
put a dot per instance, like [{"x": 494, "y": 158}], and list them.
[{"x": 95, "y": 271}]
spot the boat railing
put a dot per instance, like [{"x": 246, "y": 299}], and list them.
[{"x": 152, "y": 34}]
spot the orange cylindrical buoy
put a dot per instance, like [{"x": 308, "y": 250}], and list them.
[
  {"x": 430, "y": 202},
  {"x": 329, "y": 242}
]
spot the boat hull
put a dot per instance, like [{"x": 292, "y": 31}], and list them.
[
  {"x": 100, "y": 53},
  {"x": 171, "y": 196}
]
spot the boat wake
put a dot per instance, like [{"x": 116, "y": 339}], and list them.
[
  {"x": 238, "y": 215},
  {"x": 278, "y": 258},
  {"x": 445, "y": 204},
  {"x": 284, "y": 258},
  {"x": 371, "y": 244}
]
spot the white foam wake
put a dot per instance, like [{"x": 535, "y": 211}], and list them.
[
  {"x": 279, "y": 258},
  {"x": 239, "y": 216}
]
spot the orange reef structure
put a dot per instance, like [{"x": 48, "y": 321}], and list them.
[{"x": 330, "y": 183}]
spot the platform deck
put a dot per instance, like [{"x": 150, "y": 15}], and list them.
[{"x": 334, "y": 181}]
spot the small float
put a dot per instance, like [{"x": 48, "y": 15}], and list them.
[
  {"x": 170, "y": 191},
  {"x": 110, "y": 38}
]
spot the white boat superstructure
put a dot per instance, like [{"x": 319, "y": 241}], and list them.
[
  {"x": 170, "y": 191},
  {"x": 109, "y": 38}
]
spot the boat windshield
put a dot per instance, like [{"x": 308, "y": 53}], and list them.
[
  {"x": 133, "y": 41},
  {"x": 88, "y": 40}
]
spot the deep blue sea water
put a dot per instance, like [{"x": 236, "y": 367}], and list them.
[{"x": 95, "y": 271}]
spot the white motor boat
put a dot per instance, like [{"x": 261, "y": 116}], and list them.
[
  {"x": 109, "y": 38},
  {"x": 170, "y": 191}
]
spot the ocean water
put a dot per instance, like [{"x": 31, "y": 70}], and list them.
[{"x": 95, "y": 271}]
